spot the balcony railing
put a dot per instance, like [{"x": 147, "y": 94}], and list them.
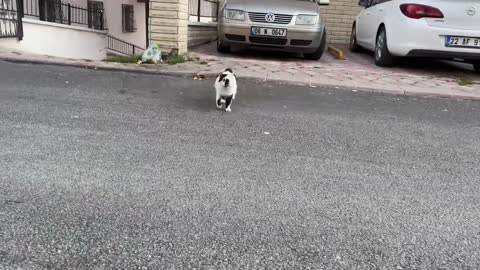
[
  {"x": 203, "y": 10},
  {"x": 123, "y": 47},
  {"x": 65, "y": 13}
]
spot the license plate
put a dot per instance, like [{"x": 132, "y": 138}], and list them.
[
  {"x": 462, "y": 42},
  {"x": 272, "y": 32}
]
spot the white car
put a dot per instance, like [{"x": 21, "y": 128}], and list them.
[{"x": 439, "y": 29}]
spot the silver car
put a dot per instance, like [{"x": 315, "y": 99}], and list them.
[{"x": 284, "y": 25}]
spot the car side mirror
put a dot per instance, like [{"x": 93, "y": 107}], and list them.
[{"x": 323, "y": 2}]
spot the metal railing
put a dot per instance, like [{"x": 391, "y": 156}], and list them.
[
  {"x": 203, "y": 10},
  {"x": 11, "y": 19},
  {"x": 123, "y": 47},
  {"x": 65, "y": 13}
]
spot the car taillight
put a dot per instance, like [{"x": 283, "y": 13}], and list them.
[{"x": 416, "y": 11}]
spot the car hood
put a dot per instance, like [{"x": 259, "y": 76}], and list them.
[{"x": 275, "y": 6}]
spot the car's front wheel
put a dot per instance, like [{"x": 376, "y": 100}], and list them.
[
  {"x": 476, "y": 67},
  {"x": 319, "y": 52},
  {"x": 353, "y": 41},
  {"x": 383, "y": 57},
  {"x": 221, "y": 48}
]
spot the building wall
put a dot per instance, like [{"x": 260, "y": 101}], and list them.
[
  {"x": 113, "y": 13},
  {"x": 59, "y": 40},
  {"x": 113, "y": 10},
  {"x": 200, "y": 33},
  {"x": 339, "y": 17}
]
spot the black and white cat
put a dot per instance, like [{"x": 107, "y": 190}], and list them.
[{"x": 226, "y": 89}]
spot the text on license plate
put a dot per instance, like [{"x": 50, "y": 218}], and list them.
[
  {"x": 274, "y": 32},
  {"x": 468, "y": 42}
]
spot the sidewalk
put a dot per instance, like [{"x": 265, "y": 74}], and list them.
[{"x": 357, "y": 72}]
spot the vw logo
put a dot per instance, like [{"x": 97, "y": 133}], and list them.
[
  {"x": 471, "y": 11},
  {"x": 270, "y": 17}
]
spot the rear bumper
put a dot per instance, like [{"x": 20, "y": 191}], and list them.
[
  {"x": 298, "y": 39},
  {"x": 418, "y": 39},
  {"x": 447, "y": 55}
]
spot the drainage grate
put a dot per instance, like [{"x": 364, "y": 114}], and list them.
[{"x": 300, "y": 42}]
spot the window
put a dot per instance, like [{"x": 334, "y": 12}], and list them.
[
  {"x": 128, "y": 19},
  {"x": 95, "y": 15}
]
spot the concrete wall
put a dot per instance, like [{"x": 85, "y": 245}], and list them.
[
  {"x": 113, "y": 10},
  {"x": 59, "y": 40},
  {"x": 200, "y": 33},
  {"x": 339, "y": 17},
  {"x": 113, "y": 15}
]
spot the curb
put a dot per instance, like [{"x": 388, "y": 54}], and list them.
[
  {"x": 207, "y": 75},
  {"x": 336, "y": 52},
  {"x": 87, "y": 65}
]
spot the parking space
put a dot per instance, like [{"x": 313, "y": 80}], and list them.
[{"x": 358, "y": 70}]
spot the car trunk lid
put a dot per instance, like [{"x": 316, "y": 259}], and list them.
[{"x": 458, "y": 14}]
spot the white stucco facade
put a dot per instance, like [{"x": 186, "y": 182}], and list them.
[
  {"x": 113, "y": 13},
  {"x": 77, "y": 41},
  {"x": 59, "y": 40}
]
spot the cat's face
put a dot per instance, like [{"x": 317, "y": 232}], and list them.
[{"x": 225, "y": 78}]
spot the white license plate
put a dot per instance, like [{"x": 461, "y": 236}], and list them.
[
  {"x": 462, "y": 42},
  {"x": 272, "y": 32}
]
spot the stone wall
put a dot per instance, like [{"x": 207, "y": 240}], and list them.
[
  {"x": 169, "y": 24},
  {"x": 339, "y": 17}
]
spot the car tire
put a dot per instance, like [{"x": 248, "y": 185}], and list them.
[
  {"x": 222, "y": 48},
  {"x": 353, "y": 41},
  {"x": 476, "y": 67},
  {"x": 383, "y": 57},
  {"x": 319, "y": 52}
]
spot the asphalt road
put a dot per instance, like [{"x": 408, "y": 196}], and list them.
[{"x": 104, "y": 170}]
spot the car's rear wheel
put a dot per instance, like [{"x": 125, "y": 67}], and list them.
[
  {"x": 383, "y": 57},
  {"x": 319, "y": 52},
  {"x": 353, "y": 41},
  {"x": 221, "y": 48}
]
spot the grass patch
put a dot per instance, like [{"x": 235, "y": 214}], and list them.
[
  {"x": 173, "y": 59},
  {"x": 132, "y": 59},
  {"x": 466, "y": 82}
]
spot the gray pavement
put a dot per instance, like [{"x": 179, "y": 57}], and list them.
[{"x": 105, "y": 170}]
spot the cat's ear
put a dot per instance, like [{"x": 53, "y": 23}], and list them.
[
  {"x": 221, "y": 77},
  {"x": 229, "y": 70}
]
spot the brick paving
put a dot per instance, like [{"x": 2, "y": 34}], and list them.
[{"x": 358, "y": 72}]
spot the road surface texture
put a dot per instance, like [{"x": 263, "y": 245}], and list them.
[{"x": 104, "y": 170}]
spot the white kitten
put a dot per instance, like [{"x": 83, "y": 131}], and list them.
[{"x": 226, "y": 89}]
